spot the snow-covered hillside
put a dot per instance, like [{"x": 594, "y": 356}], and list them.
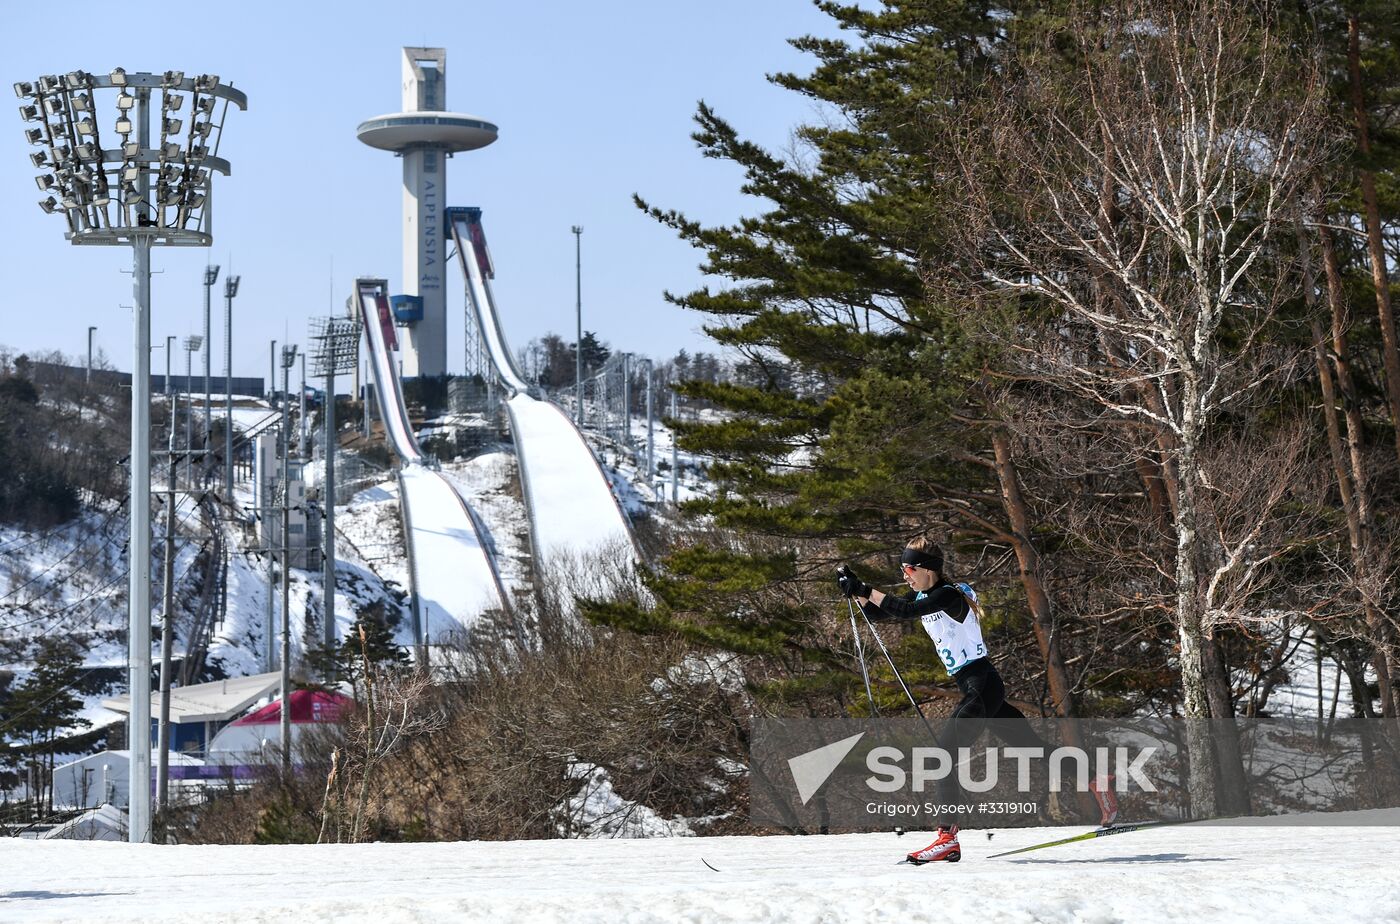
[
  {"x": 1190, "y": 874},
  {"x": 71, "y": 579}
]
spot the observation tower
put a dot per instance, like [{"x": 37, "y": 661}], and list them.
[{"x": 424, "y": 135}]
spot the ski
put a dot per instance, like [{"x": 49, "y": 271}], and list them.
[{"x": 1097, "y": 832}]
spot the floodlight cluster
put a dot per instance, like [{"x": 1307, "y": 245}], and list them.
[
  {"x": 103, "y": 172},
  {"x": 336, "y": 345}
]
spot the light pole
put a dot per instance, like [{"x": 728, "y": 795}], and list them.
[
  {"x": 211, "y": 275},
  {"x": 289, "y": 358},
  {"x": 366, "y": 391},
  {"x": 91, "y": 331},
  {"x": 337, "y": 345},
  {"x": 139, "y": 194},
  {"x": 169, "y": 389},
  {"x": 266, "y": 488},
  {"x": 192, "y": 344},
  {"x": 578, "y": 310},
  {"x": 167, "y": 622},
  {"x": 301, "y": 412},
  {"x": 627, "y": 400},
  {"x": 230, "y": 290},
  {"x": 651, "y": 437}
]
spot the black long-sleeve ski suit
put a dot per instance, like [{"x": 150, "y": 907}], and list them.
[{"x": 983, "y": 693}]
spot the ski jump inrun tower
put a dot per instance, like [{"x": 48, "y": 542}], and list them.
[{"x": 425, "y": 135}]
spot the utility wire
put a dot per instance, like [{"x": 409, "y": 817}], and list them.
[
  {"x": 101, "y": 530},
  {"x": 66, "y": 687}
]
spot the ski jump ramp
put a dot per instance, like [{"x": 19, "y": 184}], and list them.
[
  {"x": 453, "y": 574},
  {"x": 572, "y": 508}
]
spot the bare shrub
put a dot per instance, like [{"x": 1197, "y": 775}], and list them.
[{"x": 493, "y": 747}]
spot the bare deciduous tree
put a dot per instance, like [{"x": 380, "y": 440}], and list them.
[{"x": 1132, "y": 178}]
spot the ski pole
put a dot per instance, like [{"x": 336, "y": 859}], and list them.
[
  {"x": 897, "y": 675},
  {"x": 860, "y": 655}
]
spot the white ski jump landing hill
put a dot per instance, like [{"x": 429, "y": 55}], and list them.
[
  {"x": 1190, "y": 874},
  {"x": 573, "y": 510},
  {"x": 450, "y": 564}
]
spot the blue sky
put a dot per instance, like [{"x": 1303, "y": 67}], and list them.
[{"x": 594, "y": 102}]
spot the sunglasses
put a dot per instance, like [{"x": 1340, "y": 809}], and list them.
[{"x": 909, "y": 569}]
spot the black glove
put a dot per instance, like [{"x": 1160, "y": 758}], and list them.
[{"x": 850, "y": 585}]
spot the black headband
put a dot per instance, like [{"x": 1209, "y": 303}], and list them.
[{"x": 922, "y": 560}]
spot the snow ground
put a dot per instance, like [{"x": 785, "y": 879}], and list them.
[
  {"x": 1192, "y": 874},
  {"x": 1297, "y": 698},
  {"x": 690, "y": 469},
  {"x": 371, "y": 526}
]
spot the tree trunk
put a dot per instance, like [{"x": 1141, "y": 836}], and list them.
[
  {"x": 1359, "y": 512},
  {"x": 1355, "y": 670},
  {"x": 1374, "y": 241},
  {"x": 1234, "y": 798},
  {"x": 1189, "y": 618},
  {"x": 1150, "y": 474},
  {"x": 1028, "y": 560},
  {"x": 1334, "y": 437},
  {"x": 1329, "y": 393},
  {"x": 1341, "y": 360}
]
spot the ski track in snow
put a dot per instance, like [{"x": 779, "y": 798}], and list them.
[{"x": 1185, "y": 874}]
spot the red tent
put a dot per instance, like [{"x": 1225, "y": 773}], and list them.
[
  {"x": 307, "y": 706},
  {"x": 246, "y": 740}
]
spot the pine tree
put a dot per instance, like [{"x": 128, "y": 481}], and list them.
[
  {"x": 594, "y": 351},
  {"x": 347, "y": 661},
  {"x": 879, "y": 395},
  {"x": 848, "y": 434},
  {"x": 47, "y": 702},
  {"x": 1361, "y": 44}
]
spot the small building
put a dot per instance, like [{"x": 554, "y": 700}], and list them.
[
  {"x": 303, "y": 522},
  {"x": 256, "y": 738},
  {"x": 198, "y": 711},
  {"x": 102, "y": 779}
]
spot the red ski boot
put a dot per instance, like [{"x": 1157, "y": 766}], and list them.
[
  {"x": 944, "y": 848},
  {"x": 1107, "y": 800}
]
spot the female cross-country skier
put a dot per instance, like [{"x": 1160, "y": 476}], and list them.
[{"x": 952, "y": 618}]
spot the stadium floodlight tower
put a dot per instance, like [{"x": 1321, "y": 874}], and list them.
[
  {"x": 336, "y": 342},
  {"x": 144, "y": 188},
  {"x": 425, "y": 135}
]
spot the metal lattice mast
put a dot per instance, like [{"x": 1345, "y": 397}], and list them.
[{"x": 301, "y": 413}]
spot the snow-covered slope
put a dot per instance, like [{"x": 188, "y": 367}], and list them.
[
  {"x": 1190, "y": 874},
  {"x": 575, "y": 512}
]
